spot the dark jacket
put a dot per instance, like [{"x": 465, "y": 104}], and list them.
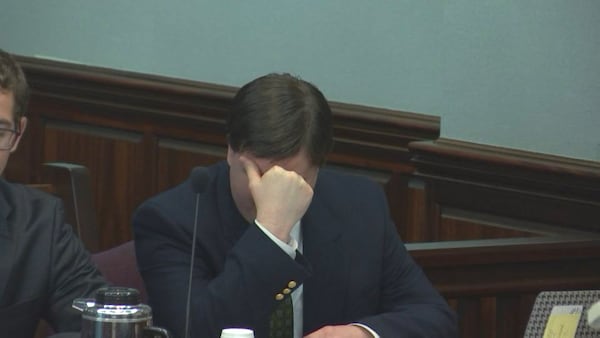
[
  {"x": 354, "y": 267},
  {"x": 43, "y": 264}
]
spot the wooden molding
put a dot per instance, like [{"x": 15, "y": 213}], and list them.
[
  {"x": 514, "y": 184},
  {"x": 139, "y": 134},
  {"x": 492, "y": 284},
  {"x": 522, "y": 168},
  {"x": 381, "y": 135}
]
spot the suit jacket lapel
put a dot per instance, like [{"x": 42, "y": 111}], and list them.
[
  {"x": 324, "y": 291},
  {"x": 6, "y": 246}
]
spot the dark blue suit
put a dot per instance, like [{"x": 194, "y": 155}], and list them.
[
  {"x": 354, "y": 267},
  {"x": 43, "y": 265}
]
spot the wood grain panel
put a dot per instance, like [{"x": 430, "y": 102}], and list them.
[
  {"x": 414, "y": 212},
  {"x": 107, "y": 153},
  {"x": 453, "y": 229},
  {"x": 456, "y": 224},
  {"x": 177, "y": 158},
  {"x": 181, "y": 124},
  {"x": 522, "y": 187},
  {"x": 492, "y": 284}
]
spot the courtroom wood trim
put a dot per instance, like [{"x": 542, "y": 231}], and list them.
[
  {"x": 511, "y": 250},
  {"x": 499, "y": 182},
  {"x": 382, "y": 135},
  {"x": 492, "y": 284},
  {"x": 511, "y": 166},
  {"x": 140, "y": 134}
]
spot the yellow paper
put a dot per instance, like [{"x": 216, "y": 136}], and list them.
[{"x": 563, "y": 321}]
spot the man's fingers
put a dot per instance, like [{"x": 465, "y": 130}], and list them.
[{"x": 252, "y": 170}]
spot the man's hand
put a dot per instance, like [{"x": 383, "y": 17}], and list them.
[
  {"x": 340, "y": 331},
  {"x": 281, "y": 197}
]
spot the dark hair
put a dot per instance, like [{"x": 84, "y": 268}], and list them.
[
  {"x": 12, "y": 79},
  {"x": 277, "y": 115}
]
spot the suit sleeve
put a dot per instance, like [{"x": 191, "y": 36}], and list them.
[
  {"x": 73, "y": 275},
  {"x": 220, "y": 296},
  {"x": 410, "y": 305}
]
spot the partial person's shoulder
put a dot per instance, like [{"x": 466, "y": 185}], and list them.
[
  {"x": 30, "y": 209},
  {"x": 351, "y": 197},
  {"x": 23, "y": 195},
  {"x": 345, "y": 180},
  {"x": 346, "y": 186}
]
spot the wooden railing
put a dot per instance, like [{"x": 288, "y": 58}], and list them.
[
  {"x": 492, "y": 284},
  {"x": 506, "y": 225}
]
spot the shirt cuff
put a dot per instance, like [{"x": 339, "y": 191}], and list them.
[
  {"x": 373, "y": 333},
  {"x": 289, "y": 248}
]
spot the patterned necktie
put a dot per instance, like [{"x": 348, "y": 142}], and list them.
[{"x": 282, "y": 319}]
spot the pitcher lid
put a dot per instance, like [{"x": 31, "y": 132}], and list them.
[{"x": 117, "y": 295}]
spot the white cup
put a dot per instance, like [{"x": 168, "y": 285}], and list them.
[{"x": 237, "y": 333}]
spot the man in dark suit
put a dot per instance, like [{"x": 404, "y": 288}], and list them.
[
  {"x": 43, "y": 265},
  {"x": 273, "y": 226}
]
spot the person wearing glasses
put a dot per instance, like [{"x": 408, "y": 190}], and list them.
[{"x": 43, "y": 264}]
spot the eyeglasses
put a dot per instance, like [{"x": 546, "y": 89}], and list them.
[{"x": 8, "y": 138}]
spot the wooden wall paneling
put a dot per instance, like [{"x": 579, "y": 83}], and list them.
[
  {"x": 107, "y": 153},
  {"x": 501, "y": 316},
  {"x": 468, "y": 310},
  {"x": 374, "y": 143},
  {"x": 488, "y": 307},
  {"x": 397, "y": 190},
  {"x": 492, "y": 284},
  {"x": 179, "y": 119},
  {"x": 376, "y": 138},
  {"x": 512, "y": 314},
  {"x": 522, "y": 204},
  {"x": 416, "y": 228},
  {"x": 432, "y": 208},
  {"x": 517, "y": 185},
  {"x": 176, "y": 159},
  {"x": 457, "y": 224}
]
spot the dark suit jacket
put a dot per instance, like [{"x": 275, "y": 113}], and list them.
[
  {"x": 43, "y": 265},
  {"x": 354, "y": 267}
]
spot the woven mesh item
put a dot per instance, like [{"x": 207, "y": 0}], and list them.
[{"x": 546, "y": 300}]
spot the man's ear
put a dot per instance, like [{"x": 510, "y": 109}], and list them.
[
  {"x": 22, "y": 127},
  {"x": 230, "y": 154}
]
